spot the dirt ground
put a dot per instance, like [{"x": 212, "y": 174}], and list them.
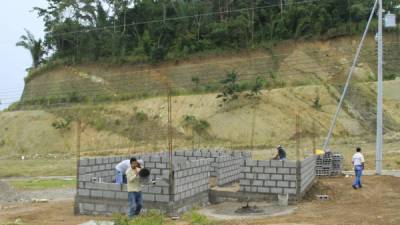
[{"x": 378, "y": 202}]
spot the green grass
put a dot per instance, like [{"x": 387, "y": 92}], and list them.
[
  {"x": 150, "y": 218},
  {"x": 38, "y": 167},
  {"x": 42, "y": 184},
  {"x": 195, "y": 218}
]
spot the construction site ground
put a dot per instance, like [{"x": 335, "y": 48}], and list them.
[{"x": 378, "y": 202}]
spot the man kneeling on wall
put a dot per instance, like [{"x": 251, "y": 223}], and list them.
[{"x": 135, "y": 197}]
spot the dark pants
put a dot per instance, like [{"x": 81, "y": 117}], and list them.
[
  {"x": 358, "y": 173},
  {"x": 135, "y": 203}
]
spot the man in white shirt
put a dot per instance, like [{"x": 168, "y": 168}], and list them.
[
  {"x": 358, "y": 163},
  {"x": 120, "y": 170},
  {"x": 135, "y": 196}
]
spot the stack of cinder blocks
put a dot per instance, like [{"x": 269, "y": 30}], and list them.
[{"x": 329, "y": 164}]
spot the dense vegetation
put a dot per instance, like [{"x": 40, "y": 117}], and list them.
[{"x": 153, "y": 30}]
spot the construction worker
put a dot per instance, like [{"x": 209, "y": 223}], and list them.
[
  {"x": 120, "y": 170},
  {"x": 135, "y": 197},
  {"x": 358, "y": 163},
  {"x": 281, "y": 153}
]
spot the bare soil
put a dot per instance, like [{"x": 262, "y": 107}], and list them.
[{"x": 378, "y": 202}]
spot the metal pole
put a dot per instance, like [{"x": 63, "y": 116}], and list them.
[
  {"x": 78, "y": 157},
  {"x": 379, "y": 114},
  {"x": 355, "y": 61}
]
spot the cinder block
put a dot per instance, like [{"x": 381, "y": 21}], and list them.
[
  {"x": 99, "y": 161},
  {"x": 96, "y": 194},
  {"x": 109, "y": 194},
  {"x": 161, "y": 165},
  {"x": 289, "y": 190},
  {"x": 283, "y": 170},
  {"x": 270, "y": 183},
  {"x": 100, "y": 207},
  {"x": 269, "y": 170},
  {"x": 149, "y": 197},
  {"x": 83, "y": 192},
  {"x": 283, "y": 184},
  {"x": 263, "y": 190},
  {"x": 155, "y": 190},
  {"x": 276, "y": 177},
  {"x": 276, "y": 163},
  {"x": 84, "y": 162},
  {"x": 292, "y": 184},
  {"x": 251, "y": 163},
  {"x": 250, "y": 176},
  {"x": 290, "y": 177},
  {"x": 244, "y": 182},
  {"x": 293, "y": 170},
  {"x": 258, "y": 182},
  {"x": 264, "y": 163},
  {"x": 257, "y": 169},
  {"x": 122, "y": 195},
  {"x": 246, "y": 169},
  {"x": 88, "y": 206},
  {"x": 263, "y": 176},
  {"x": 276, "y": 190},
  {"x": 290, "y": 164}
]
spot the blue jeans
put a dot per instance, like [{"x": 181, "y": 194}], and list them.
[
  {"x": 358, "y": 173},
  {"x": 135, "y": 203},
  {"x": 119, "y": 177}
]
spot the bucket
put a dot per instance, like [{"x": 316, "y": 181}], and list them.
[{"x": 283, "y": 199}]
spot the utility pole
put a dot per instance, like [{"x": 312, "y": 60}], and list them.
[
  {"x": 78, "y": 157},
  {"x": 379, "y": 114}
]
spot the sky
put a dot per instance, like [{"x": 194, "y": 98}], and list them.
[{"x": 14, "y": 17}]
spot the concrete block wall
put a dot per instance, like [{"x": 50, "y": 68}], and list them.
[
  {"x": 228, "y": 169},
  {"x": 307, "y": 173},
  {"x": 269, "y": 177},
  {"x": 213, "y": 154},
  {"x": 191, "y": 178}
]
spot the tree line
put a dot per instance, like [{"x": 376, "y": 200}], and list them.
[{"x": 154, "y": 30}]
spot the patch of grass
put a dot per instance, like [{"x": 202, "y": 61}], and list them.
[
  {"x": 150, "y": 218},
  {"x": 37, "y": 167},
  {"x": 42, "y": 184},
  {"x": 195, "y": 218}
]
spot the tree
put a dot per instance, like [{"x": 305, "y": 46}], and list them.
[
  {"x": 230, "y": 87},
  {"x": 35, "y": 47}
]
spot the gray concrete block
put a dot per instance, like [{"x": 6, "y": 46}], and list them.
[
  {"x": 293, "y": 170},
  {"x": 269, "y": 170},
  {"x": 149, "y": 197},
  {"x": 251, "y": 163},
  {"x": 276, "y": 163},
  {"x": 276, "y": 190},
  {"x": 264, "y": 163},
  {"x": 99, "y": 161},
  {"x": 244, "y": 182},
  {"x": 283, "y": 170},
  {"x": 276, "y": 177},
  {"x": 100, "y": 207},
  {"x": 290, "y": 164},
  {"x": 161, "y": 165},
  {"x": 109, "y": 194},
  {"x": 270, "y": 183},
  {"x": 250, "y": 176},
  {"x": 258, "y": 183},
  {"x": 289, "y": 177},
  {"x": 283, "y": 183},
  {"x": 289, "y": 190},
  {"x": 84, "y": 162},
  {"x": 83, "y": 192},
  {"x": 121, "y": 195},
  {"x": 292, "y": 184},
  {"x": 96, "y": 193},
  {"x": 257, "y": 169},
  {"x": 246, "y": 169},
  {"x": 263, "y": 190},
  {"x": 263, "y": 176},
  {"x": 155, "y": 190},
  {"x": 87, "y": 206}
]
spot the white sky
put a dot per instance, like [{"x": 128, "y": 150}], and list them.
[{"x": 14, "y": 17}]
